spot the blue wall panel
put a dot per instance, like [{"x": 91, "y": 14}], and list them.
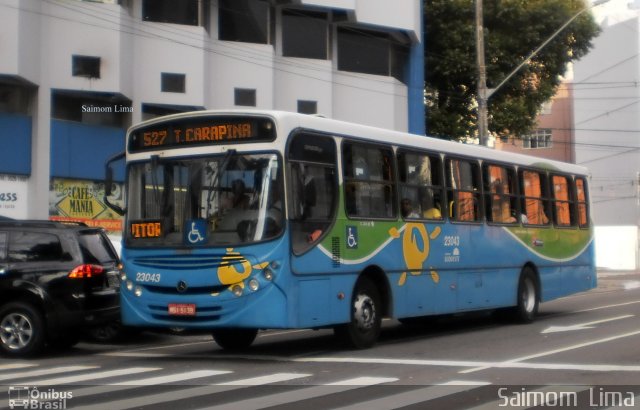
[
  {"x": 80, "y": 151},
  {"x": 15, "y": 144}
]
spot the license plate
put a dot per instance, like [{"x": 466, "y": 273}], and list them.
[
  {"x": 182, "y": 309},
  {"x": 113, "y": 281}
]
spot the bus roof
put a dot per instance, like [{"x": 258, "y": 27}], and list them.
[{"x": 289, "y": 121}]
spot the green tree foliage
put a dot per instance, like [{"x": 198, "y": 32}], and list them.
[{"x": 513, "y": 30}]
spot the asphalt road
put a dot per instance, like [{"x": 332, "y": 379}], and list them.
[{"x": 582, "y": 352}]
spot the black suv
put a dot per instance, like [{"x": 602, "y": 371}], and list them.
[{"x": 56, "y": 280}]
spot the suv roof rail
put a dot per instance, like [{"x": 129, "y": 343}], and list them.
[{"x": 43, "y": 223}]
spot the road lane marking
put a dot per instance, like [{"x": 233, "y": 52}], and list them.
[
  {"x": 92, "y": 376},
  {"x": 607, "y": 306},
  {"x": 583, "y": 326},
  {"x": 44, "y": 372},
  {"x": 514, "y": 364},
  {"x": 560, "y": 350}
]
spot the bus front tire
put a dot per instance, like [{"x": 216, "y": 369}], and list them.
[
  {"x": 528, "y": 297},
  {"x": 364, "y": 328},
  {"x": 234, "y": 339}
]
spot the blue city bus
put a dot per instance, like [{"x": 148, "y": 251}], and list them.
[{"x": 238, "y": 221}]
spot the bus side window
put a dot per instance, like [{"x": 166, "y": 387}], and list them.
[
  {"x": 534, "y": 191},
  {"x": 582, "y": 202},
  {"x": 420, "y": 185},
  {"x": 563, "y": 207},
  {"x": 312, "y": 188},
  {"x": 463, "y": 189},
  {"x": 500, "y": 199},
  {"x": 369, "y": 181}
]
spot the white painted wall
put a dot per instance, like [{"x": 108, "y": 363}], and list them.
[
  {"x": 616, "y": 247},
  {"x": 606, "y": 107}
]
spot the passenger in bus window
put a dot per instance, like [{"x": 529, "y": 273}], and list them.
[
  {"x": 407, "y": 209},
  {"x": 240, "y": 199}
]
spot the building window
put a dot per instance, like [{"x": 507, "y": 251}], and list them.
[
  {"x": 369, "y": 52},
  {"x": 85, "y": 66},
  {"x": 307, "y": 107},
  {"x": 246, "y": 21},
  {"x": 172, "y": 83},
  {"x": 305, "y": 34},
  {"x": 245, "y": 97},
  {"x": 171, "y": 11},
  {"x": 540, "y": 138}
]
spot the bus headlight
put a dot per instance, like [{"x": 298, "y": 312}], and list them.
[
  {"x": 138, "y": 291},
  {"x": 254, "y": 285},
  {"x": 123, "y": 276},
  {"x": 237, "y": 290},
  {"x": 129, "y": 285},
  {"x": 268, "y": 274}
]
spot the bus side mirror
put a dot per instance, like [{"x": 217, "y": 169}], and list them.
[{"x": 108, "y": 182}]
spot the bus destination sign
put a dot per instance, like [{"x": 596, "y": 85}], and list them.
[{"x": 201, "y": 131}]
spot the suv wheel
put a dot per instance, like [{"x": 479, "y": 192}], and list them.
[{"x": 21, "y": 329}]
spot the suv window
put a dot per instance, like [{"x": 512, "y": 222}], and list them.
[
  {"x": 95, "y": 248},
  {"x": 3, "y": 245},
  {"x": 34, "y": 247}
]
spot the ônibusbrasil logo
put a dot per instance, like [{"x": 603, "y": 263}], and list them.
[{"x": 25, "y": 397}]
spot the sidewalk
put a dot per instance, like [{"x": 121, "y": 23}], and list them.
[{"x": 618, "y": 279}]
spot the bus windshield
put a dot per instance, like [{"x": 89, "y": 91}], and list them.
[{"x": 218, "y": 201}]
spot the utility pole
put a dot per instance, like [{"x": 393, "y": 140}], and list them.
[{"x": 483, "y": 123}]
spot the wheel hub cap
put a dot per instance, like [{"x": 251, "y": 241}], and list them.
[{"x": 15, "y": 331}]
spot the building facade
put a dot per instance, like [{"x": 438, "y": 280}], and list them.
[
  {"x": 607, "y": 132},
  {"x": 74, "y": 75},
  {"x": 553, "y": 137}
]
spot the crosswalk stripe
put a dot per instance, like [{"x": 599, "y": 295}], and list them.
[
  {"x": 363, "y": 381},
  {"x": 303, "y": 394},
  {"x": 92, "y": 376},
  {"x": 408, "y": 398},
  {"x": 191, "y": 393},
  {"x": 43, "y": 372},
  {"x": 257, "y": 381},
  {"x": 151, "y": 381},
  {"x": 11, "y": 366}
]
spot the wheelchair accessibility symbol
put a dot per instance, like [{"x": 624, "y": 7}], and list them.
[
  {"x": 352, "y": 237},
  {"x": 196, "y": 231}
]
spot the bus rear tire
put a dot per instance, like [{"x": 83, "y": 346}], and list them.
[
  {"x": 234, "y": 339},
  {"x": 364, "y": 328},
  {"x": 528, "y": 297}
]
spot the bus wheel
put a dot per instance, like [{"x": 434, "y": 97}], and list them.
[
  {"x": 364, "y": 328},
  {"x": 234, "y": 339},
  {"x": 22, "y": 329},
  {"x": 528, "y": 297}
]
